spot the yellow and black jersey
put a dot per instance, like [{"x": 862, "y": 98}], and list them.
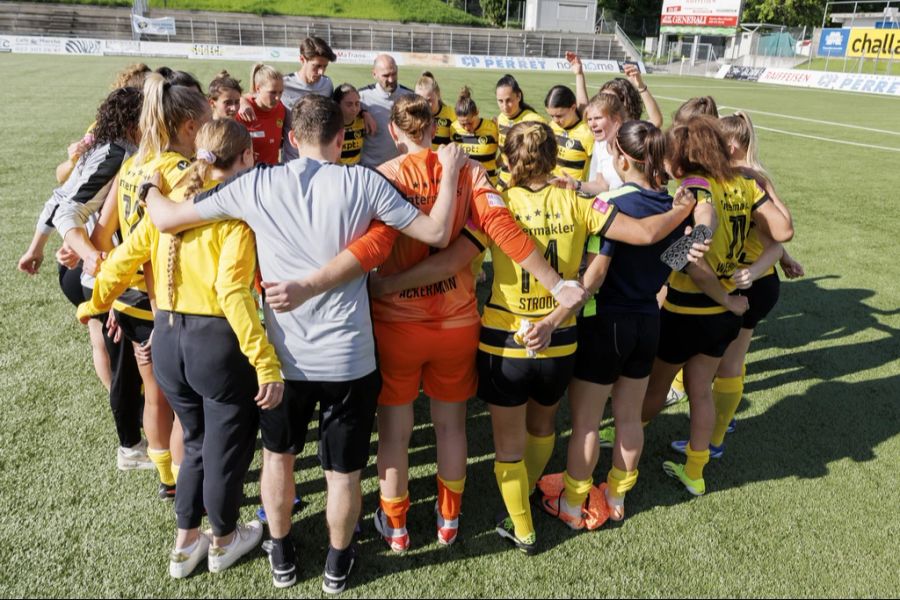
[
  {"x": 481, "y": 145},
  {"x": 734, "y": 202},
  {"x": 354, "y": 137},
  {"x": 753, "y": 248},
  {"x": 212, "y": 272},
  {"x": 504, "y": 124},
  {"x": 559, "y": 222},
  {"x": 574, "y": 147},
  {"x": 171, "y": 167},
  {"x": 443, "y": 123}
]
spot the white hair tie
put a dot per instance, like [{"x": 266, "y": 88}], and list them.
[{"x": 206, "y": 155}]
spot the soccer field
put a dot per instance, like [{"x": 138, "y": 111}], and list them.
[{"x": 804, "y": 503}]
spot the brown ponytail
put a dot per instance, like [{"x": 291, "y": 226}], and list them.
[
  {"x": 530, "y": 151},
  {"x": 412, "y": 115},
  {"x": 699, "y": 148},
  {"x": 696, "y": 107},
  {"x": 645, "y": 145},
  {"x": 465, "y": 105},
  {"x": 223, "y": 141}
]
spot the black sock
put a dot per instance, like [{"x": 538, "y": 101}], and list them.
[
  {"x": 283, "y": 551},
  {"x": 338, "y": 561}
]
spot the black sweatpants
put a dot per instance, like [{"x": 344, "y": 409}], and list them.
[
  {"x": 125, "y": 397},
  {"x": 210, "y": 385}
]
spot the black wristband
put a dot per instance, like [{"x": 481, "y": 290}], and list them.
[{"x": 144, "y": 189}]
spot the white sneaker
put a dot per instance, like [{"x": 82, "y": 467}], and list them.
[
  {"x": 182, "y": 564},
  {"x": 246, "y": 538},
  {"x": 128, "y": 459}
]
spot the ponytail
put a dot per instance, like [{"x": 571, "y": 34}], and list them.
[
  {"x": 698, "y": 147},
  {"x": 465, "y": 105},
  {"x": 166, "y": 107},
  {"x": 738, "y": 128},
  {"x": 261, "y": 73},
  {"x": 645, "y": 146},
  {"x": 219, "y": 144},
  {"x": 427, "y": 83},
  {"x": 530, "y": 150}
]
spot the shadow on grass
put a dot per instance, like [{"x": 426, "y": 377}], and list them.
[{"x": 799, "y": 436}]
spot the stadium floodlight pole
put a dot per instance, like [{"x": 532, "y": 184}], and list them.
[{"x": 506, "y": 23}]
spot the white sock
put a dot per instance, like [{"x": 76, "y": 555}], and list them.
[{"x": 190, "y": 549}]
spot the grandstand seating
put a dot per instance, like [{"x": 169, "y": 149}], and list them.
[{"x": 246, "y": 29}]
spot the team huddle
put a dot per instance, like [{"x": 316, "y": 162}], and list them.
[{"x": 359, "y": 220}]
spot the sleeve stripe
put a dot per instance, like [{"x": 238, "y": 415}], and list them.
[
  {"x": 609, "y": 221},
  {"x": 474, "y": 240}
]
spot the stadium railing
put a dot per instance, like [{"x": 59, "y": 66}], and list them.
[{"x": 252, "y": 30}]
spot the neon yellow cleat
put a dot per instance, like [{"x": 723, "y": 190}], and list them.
[{"x": 697, "y": 487}]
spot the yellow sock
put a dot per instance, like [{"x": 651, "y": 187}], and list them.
[
  {"x": 678, "y": 382},
  {"x": 619, "y": 482},
  {"x": 576, "y": 490},
  {"x": 695, "y": 462},
  {"x": 163, "y": 461},
  {"x": 727, "y": 393},
  {"x": 512, "y": 479},
  {"x": 175, "y": 470},
  {"x": 538, "y": 451}
]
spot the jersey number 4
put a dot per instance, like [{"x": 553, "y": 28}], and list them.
[{"x": 551, "y": 256}]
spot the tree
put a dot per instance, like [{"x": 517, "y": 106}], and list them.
[
  {"x": 785, "y": 12},
  {"x": 494, "y": 11}
]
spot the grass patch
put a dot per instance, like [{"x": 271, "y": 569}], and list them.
[
  {"x": 853, "y": 65},
  {"x": 803, "y": 504},
  {"x": 406, "y": 11}
]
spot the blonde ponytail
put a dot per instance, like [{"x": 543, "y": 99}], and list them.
[
  {"x": 219, "y": 144},
  {"x": 166, "y": 107}
]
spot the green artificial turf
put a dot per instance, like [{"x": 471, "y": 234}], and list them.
[{"x": 804, "y": 503}]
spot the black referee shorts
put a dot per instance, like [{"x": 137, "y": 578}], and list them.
[
  {"x": 346, "y": 419},
  {"x": 613, "y": 345}
]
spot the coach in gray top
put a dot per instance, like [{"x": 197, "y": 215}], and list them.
[
  {"x": 378, "y": 99},
  {"x": 304, "y": 214}
]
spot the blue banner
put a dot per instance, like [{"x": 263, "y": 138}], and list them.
[{"x": 834, "y": 42}]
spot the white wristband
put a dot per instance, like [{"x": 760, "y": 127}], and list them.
[{"x": 560, "y": 285}]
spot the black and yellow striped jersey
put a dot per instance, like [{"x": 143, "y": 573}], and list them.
[
  {"x": 734, "y": 202},
  {"x": 504, "y": 124},
  {"x": 212, "y": 271},
  {"x": 559, "y": 222},
  {"x": 481, "y": 145},
  {"x": 574, "y": 147},
  {"x": 354, "y": 137},
  {"x": 171, "y": 167},
  {"x": 443, "y": 123}
]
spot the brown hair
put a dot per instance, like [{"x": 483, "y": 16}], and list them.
[
  {"x": 316, "y": 120},
  {"x": 530, "y": 150},
  {"x": 131, "y": 76},
  {"x": 627, "y": 94},
  {"x": 223, "y": 81},
  {"x": 645, "y": 145},
  {"x": 313, "y": 47},
  {"x": 698, "y": 147},
  {"x": 696, "y": 107},
  {"x": 225, "y": 140},
  {"x": 166, "y": 107},
  {"x": 609, "y": 105},
  {"x": 261, "y": 73},
  {"x": 738, "y": 128},
  {"x": 465, "y": 105},
  {"x": 412, "y": 115}
]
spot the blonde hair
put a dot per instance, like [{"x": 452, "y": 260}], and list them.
[
  {"x": 261, "y": 73},
  {"x": 609, "y": 105},
  {"x": 223, "y": 141},
  {"x": 465, "y": 105},
  {"x": 166, "y": 107},
  {"x": 427, "y": 83},
  {"x": 738, "y": 128},
  {"x": 412, "y": 115},
  {"x": 530, "y": 151}
]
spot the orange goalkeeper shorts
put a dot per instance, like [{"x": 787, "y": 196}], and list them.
[{"x": 441, "y": 361}]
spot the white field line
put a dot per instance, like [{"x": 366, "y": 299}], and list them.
[
  {"x": 791, "y": 117},
  {"x": 825, "y": 139}
]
